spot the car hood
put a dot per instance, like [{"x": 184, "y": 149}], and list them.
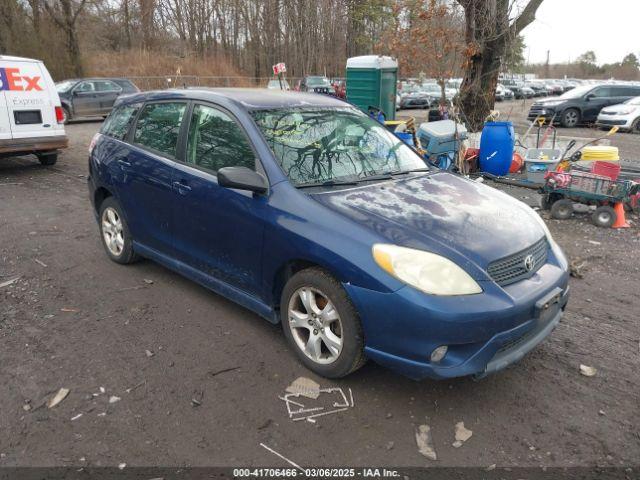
[
  {"x": 440, "y": 212},
  {"x": 615, "y": 109},
  {"x": 550, "y": 101}
]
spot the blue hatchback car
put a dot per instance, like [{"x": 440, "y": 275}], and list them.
[{"x": 304, "y": 210}]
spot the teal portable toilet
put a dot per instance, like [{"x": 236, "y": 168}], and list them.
[{"x": 371, "y": 82}]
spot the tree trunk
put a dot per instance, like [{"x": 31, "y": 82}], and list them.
[{"x": 487, "y": 36}]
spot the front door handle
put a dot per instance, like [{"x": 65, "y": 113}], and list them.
[{"x": 181, "y": 188}]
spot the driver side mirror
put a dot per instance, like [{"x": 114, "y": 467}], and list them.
[
  {"x": 589, "y": 97},
  {"x": 242, "y": 178}
]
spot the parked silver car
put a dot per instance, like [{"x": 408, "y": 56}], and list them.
[{"x": 625, "y": 115}]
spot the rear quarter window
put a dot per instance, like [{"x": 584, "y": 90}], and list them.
[{"x": 117, "y": 124}]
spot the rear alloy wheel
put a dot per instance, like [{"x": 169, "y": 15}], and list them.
[
  {"x": 570, "y": 118},
  {"x": 604, "y": 216},
  {"x": 115, "y": 234},
  {"x": 321, "y": 324},
  {"x": 562, "y": 209}
]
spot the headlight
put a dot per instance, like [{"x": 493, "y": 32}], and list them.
[
  {"x": 425, "y": 271},
  {"x": 624, "y": 111}
]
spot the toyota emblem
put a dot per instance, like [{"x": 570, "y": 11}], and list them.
[{"x": 529, "y": 263}]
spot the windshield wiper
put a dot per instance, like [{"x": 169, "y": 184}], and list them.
[
  {"x": 392, "y": 173},
  {"x": 328, "y": 183}
]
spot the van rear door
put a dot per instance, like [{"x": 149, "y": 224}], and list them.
[{"x": 31, "y": 98}]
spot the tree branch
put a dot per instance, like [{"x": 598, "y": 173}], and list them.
[{"x": 527, "y": 16}]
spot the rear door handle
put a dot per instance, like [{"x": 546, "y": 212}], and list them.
[{"x": 181, "y": 188}]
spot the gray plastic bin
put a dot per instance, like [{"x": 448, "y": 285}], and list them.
[{"x": 538, "y": 161}]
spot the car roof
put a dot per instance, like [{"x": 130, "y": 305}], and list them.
[
  {"x": 119, "y": 79},
  {"x": 245, "y": 98}
]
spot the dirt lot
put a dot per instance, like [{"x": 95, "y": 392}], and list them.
[{"x": 74, "y": 319}]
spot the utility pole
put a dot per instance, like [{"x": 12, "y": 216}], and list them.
[{"x": 546, "y": 65}]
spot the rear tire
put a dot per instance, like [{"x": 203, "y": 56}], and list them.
[
  {"x": 114, "y": 233},
  {"x": 67, "y": 115},
  {"x": 604, "y": 217},
  {"x": 299, "y": 324},
  {"x": 47, "y": 159},
  {"x": 562, "y": 209},
  {"x": 570, "y": 118}
]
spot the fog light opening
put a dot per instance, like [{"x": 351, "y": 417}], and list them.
[{"x": 439, "y": 353}]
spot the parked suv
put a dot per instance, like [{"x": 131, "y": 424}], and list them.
[
  {"x": 582, "y": 104},
  {"x": 315, "y": 216},
  {"x": 31, "y": 116},
  {"x": 91, "y": 97}
]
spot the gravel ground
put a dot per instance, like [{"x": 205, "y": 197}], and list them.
[{"x": 144, "y": 334}]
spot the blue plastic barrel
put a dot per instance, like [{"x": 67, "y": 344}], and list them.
[
  {"x": 496, "y": 147},
  {"x": 405, "y": 137}
]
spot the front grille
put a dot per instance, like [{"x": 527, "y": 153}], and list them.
[
  {"x": 611, "y": 122},
  {"x": 514, "y": 342},
  {"x": 512, "y": 269}
]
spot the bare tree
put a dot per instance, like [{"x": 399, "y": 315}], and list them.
[
  {"x": 488, "y": 33},
  {"x": 65, "y": 17}
]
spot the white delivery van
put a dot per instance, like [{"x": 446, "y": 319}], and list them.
[{"x": 31, "y": 116}]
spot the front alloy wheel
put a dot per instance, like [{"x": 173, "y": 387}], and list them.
[
  {"x": 315, "y": 325},
  {"x": 570, "y": 118},
  {"x": 321, "y": 324}
]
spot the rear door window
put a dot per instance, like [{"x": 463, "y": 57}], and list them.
[
  {"x": 106, "y": 86},
  {"x": 215, "y": 140},
  {"x": 158, "y": 127},
  {"x": 118, "y": 123}
]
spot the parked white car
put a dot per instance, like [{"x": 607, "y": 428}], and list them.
[
  {"x": 625, "y": 115},
  {"x": 31, "y": 115}
]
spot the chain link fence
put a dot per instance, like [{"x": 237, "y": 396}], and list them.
[{"x": 185, "y": 81}]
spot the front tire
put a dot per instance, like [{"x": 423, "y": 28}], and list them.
[
  {"x": 321, "y": 324},
  {"x": 570, "y": 118},
  {"x": 635, "y": 126},
  {"x": 66, "y": 115},
  {"x": 114, "y": 233}
]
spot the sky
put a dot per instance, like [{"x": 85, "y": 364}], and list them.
[{"x": 569, "y": 28}]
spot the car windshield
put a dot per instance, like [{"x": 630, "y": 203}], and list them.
[
  {"x": 318, "y": 82},
  {"x": 576, "y": 92},
  {"x": 633, "y": 101},
  {"x": 65, "y": 86},
  {"x": 319, "y": 146}
]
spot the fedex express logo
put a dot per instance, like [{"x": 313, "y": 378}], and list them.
[{"x": 10, "y": 79}]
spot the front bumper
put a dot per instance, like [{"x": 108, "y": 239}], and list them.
[
  {"x": 485, "y": 333},
  {"x": 15, "y": 146},
  {"x": 613, "y": 120},
  {"x": 541, "y": 111}
]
